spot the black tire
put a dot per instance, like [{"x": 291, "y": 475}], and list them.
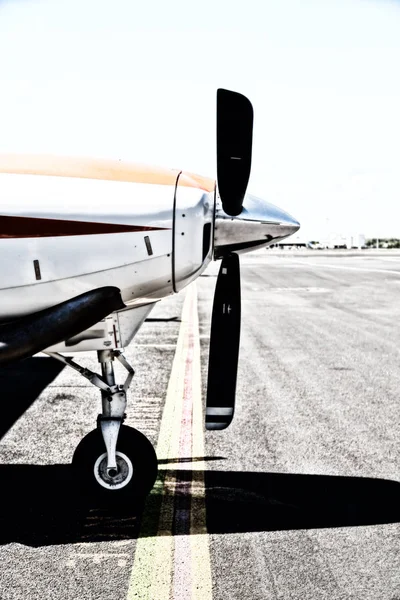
[{"x": 136, "y": 447}]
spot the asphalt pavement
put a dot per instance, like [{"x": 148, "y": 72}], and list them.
[{"x": 301, "y": 493}]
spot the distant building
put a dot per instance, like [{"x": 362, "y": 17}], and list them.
[
  {"x": 335, "y": 240},
  {"x": 294, "y": 241},
  {"x": 357, "y": 240},
  {"x": 344, "y": 240}
]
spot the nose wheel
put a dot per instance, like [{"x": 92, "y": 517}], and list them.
[{"x": 135, "y": 472}]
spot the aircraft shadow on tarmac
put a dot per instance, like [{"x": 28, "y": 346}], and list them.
[
  {"x": 40, "y": 505},
  {"x": 22, "y": 383}
]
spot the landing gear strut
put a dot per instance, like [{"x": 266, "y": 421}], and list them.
[{"x": 114, "y": 462}]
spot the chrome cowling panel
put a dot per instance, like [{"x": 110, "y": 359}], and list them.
[
  {"x": 259, "y": 224},
  {"x": 193, "y": 210}
]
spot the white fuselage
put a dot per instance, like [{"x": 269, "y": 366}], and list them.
[
  {"x": 171, "y": 217},
  {"x": 68, "y": 226}
]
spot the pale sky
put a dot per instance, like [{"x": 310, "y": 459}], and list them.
[{"x": 137, "y": 80}]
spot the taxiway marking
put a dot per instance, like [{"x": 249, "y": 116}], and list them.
[
  {"x": 172, "y": 558},
  {"x": 155, "y": 345},
  {"x": 340, "y": 267},
  {"x": 98, "y": 557}
]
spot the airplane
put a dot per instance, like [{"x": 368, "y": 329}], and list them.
[{"x": 89, "y": 246}]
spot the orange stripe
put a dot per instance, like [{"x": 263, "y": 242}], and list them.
[
  {"x": 97, "y": 168},
  {"x": 197, "y": 181}
]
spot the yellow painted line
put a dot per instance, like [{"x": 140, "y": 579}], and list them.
[
  {"x": 155, "y": 574},
  {"x": 201, "y": 571}
]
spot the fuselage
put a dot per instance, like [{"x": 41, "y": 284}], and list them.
[{"x": 68, "y": 226}]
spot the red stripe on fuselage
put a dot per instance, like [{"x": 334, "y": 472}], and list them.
[{"x": 33, "y": 227}]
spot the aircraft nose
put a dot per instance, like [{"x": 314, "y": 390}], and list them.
[
  {"x": 288, "y": 221},
  {"x": 289, "y": 224},
  {"x": 259, "y": 224},
  {"x": 257, "y": 209}
]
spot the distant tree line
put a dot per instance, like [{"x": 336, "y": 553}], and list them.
[{"x": 383, "y": 243}]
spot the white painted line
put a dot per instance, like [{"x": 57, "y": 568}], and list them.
[{"x": 339, "y": 267}]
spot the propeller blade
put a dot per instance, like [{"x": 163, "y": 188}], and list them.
[
  {"x": 224, "y": 345},
  {"x": 234, "y": 143}
]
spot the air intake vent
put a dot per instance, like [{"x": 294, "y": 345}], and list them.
[{"x": 206, "y": 239}]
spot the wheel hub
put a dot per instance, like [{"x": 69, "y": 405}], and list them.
[{"x": 116, "y": 478}]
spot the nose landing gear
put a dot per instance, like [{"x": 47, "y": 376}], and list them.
[{"x": 113, "y": 463}]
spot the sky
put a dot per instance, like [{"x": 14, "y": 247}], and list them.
[{"x": 137, "y": 81}]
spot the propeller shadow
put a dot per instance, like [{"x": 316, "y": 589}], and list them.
[
  {"x": 24, "y": 382},
  {"x": 41, "y": 505},
  {"x": 244, "y": 502},
  {"x": 163, "y": 320}
]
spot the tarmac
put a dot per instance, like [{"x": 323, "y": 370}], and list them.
[{"x": 298, "y": 499}]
